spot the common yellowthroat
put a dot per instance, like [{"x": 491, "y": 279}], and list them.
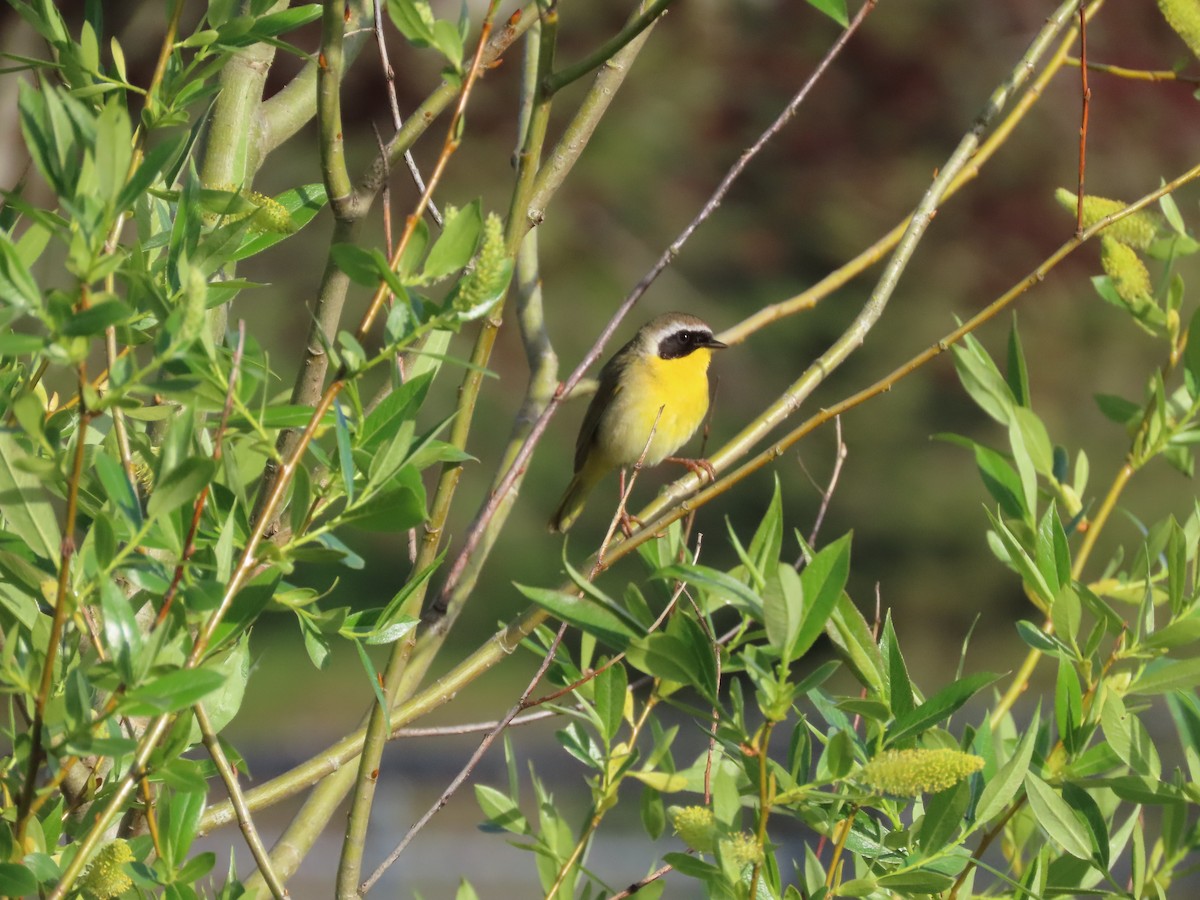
[{"x": 664, "y": 367}]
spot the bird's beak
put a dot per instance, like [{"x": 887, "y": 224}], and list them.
[{"x": 714, "y": 344}]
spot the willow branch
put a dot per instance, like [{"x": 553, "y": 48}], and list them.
[
  {"x": 229, "y": 777},
  {"x": 869, "y": 315},
  {"x": 609, "y": 48},
  {"x": 885, "y": 384},
  {"x": 294, "y": 106},
  {"x": 475, "y": 533},
  {"x": 562, "y": 158},
  {"x": 334, "y": 757},
  {"x": 810, "y": 297},
  {"x": 350, "y": 864}
]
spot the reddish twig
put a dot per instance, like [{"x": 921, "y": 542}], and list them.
[
  {"x": 1086, "y": 93},
  {"x": 189, "y": 546},
  {"x": 389, "y": 77}
]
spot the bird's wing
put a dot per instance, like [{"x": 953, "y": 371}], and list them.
[{"x": 606, "y": 392}]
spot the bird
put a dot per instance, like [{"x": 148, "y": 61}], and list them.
[{"x": 658, "y": 383}]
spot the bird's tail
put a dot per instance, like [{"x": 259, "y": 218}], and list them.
[{"x": 572, "y": 502}]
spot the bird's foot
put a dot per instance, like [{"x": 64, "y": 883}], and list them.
[
  {"x": 695, "y": 466},
  {"x": 627, "y": 523}
]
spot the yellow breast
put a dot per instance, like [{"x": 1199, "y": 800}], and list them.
[{"x": 677, "y": 387}]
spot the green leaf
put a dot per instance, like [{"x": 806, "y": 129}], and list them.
[
  {"x": 302, "y": 205},
  {"x": 399, "y": 406},
  {"x": 1118, "y": 409},
  {"x": 609, "y": 689},
  {"x": 357, "y": 263},
  {"x": 456, "y": 244},
  {"x": 122, "y": 636},
  {"x": 937, "y": 708},
  {"x": 1068, "y": 705},
  {"x": 900, "y": 692},
  {"x": 24, "y": 505},
  {"x": 944, "y": 813},
  {"x": 179, "y": 825},
  {"x": 180, "y": 486},
  {"x": 823, "y": 581},
  {"x": 783, "y": 607},
  {"x": 345, "y": 459},
  {"x": 726, "y": 587},
  {"x": 17, "y": 287},
  {"x": 413, "y": 19},
  {"x": 16, "y": 881},
  {"x": 171, "y": 692},
  {"x": 1057, "y": 818},
  {"x": 982, "y": 380},
  {"x": 654, "y": 818},
  {"x": 93, "y": 320},
  {"x": 584, "y": 614},
  {"x": 1083, "y": 803},
  {"x": 1127, "y": 737},
  {"x": 851, "y": 634},
  {"x": 501, "y": 811},
  {"x": 1191, "y": 356},
  {"x": 1167, "y": 675},
  {"x": 1003, "y": 786},
  {"x": 835, "y": 9},
  {"x": 390, "y": 511},
  {"x": 118, "y": 489},
  {"x": 663, "y": 656},
  {"x": 767, "y": 543},
  {"x": 916, "y": 881},
  {"x": 1040, "y": 641},
  {"x": 1017, "y": 375}
]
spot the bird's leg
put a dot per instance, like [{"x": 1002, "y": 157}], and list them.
[
  {"x": 695, "y": 466},
  {"x": 627, "y": 521}
]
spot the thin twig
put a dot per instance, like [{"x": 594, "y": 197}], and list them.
[
  {"x": 638, "y": 885},
  {"x": 467, "y": 769},
  {"x": 238, "y": 799},
  {"x": 827, "y": 495},
  {"x": 389, "y": 77},
  {"x": 189, "y": 546},
  {"x": 609, "y": 48},
  {"x": 37, "y": 747},
  {"x": 1086, "y": 95},
  {"x": 475, "y": 727},
  {"x": 854, "y": 335},
  {"x": 1136, "y": 74}
]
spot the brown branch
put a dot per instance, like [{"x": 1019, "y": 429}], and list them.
[{"x": 1086, "y": 95}]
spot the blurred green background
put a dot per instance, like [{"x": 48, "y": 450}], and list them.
[{"x": 850, "y": 165}]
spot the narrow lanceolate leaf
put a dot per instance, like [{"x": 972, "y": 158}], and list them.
[
  {"x": 1057, "y": 818},
  {"x": 609, "y": 691},
  {"x": 1003, "y": 787},
  {"x": 823, "y": 580},
  {"x": 938, "y": 707},
  {"x": 24, "y": 504},
  {"x": 1166, "y": 676},
  {"x": 181, "y": 485},
  {"x": 583, "y": 613},
  {"x": 171, "y": 692}
]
